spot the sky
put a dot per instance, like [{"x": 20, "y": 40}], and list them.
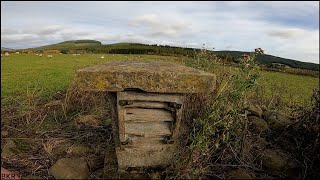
[{"x": 285, "y": 29}]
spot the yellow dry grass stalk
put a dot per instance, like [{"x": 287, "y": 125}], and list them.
[{"x": 51, "y": 144}]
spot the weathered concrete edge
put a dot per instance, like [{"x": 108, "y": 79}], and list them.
[{"x": 187, "y": 83}]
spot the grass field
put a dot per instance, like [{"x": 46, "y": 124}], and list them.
[
  {"x": 23, "y": 75},
  {"x": 295, "y": 88},
  {"x": 38, "y": 121}
]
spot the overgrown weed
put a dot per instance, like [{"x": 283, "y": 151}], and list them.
[{"x": 216, "y": 122}]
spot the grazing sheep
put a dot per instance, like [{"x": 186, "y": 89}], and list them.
[
  {"x": 17, "y": 52},
  {"x": 40, "y": 55},
  {"x": 102, "y": 57},
  {"x": 49, "y": 56},
  {"x": 74, "y": 54},
  {"x": 6, "y": 54}
]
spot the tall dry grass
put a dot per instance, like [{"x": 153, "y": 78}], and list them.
[{"x": 213, "y": 133}]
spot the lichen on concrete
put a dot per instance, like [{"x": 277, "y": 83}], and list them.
[{"x": 149, "y": 76}]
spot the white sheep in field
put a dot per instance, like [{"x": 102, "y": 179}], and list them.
[
  {"x": 6, "y": 54},
  {"x": 36, "y": 54},
  {"x": 102, "y": 57},
  {"x": 74, "y": 54},
  {"x": 40, "y": 55},
  {"x": 17, "y": 52},
  {"x": 50, "y": 56}
]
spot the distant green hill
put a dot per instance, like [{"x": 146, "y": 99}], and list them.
[
  {"x": 269, "y": 59},
  {"x": 3, "y": 49},
  {"x": 93, "y": 46},
  {"x": 70, "y": 45}
]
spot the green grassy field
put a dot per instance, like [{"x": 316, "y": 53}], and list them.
[
  {"x": 30, "y": 82},
  {"x": 25, "y": 74},
  {"x": 295, "y": 88},
  {"x": 21, "y": 74}
]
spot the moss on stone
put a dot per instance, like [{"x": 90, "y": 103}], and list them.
[{"x": 149, "y": 76}]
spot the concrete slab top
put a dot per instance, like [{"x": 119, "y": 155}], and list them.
[{"x": 149, "y": 76}]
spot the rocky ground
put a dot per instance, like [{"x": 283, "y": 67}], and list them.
[
  {"x": 77, "y": 150},
  {"x": 77, "y": 153}
]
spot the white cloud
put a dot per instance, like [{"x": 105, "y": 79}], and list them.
[
  {"x": 157, "y": 25},
  {"x": 285, "y": 33},
  {"x": 8, "y": 31},
  {"x": 285, "y": 29},
  {"x": 50, "y": 29}
]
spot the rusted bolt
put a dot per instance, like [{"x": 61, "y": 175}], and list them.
[
  {"x": 125, "y": 102},
  {"x": 175, "y": 105}
]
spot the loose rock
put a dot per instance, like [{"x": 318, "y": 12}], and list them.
[
  {"x": 276, "y": 120},
  {"x": 257, "y": 124},
  {"x": 255, "y": 110},
  {"x": 238, "y": 174},
  {"x": 70, "y": 168},
  {"x": 278, "y": 163}
]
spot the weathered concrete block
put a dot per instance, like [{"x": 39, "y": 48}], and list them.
[
  {"x": 145, "y": 123},
  {"x": 149, "y": 76},
  {"x": 146, "y": 156}
]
